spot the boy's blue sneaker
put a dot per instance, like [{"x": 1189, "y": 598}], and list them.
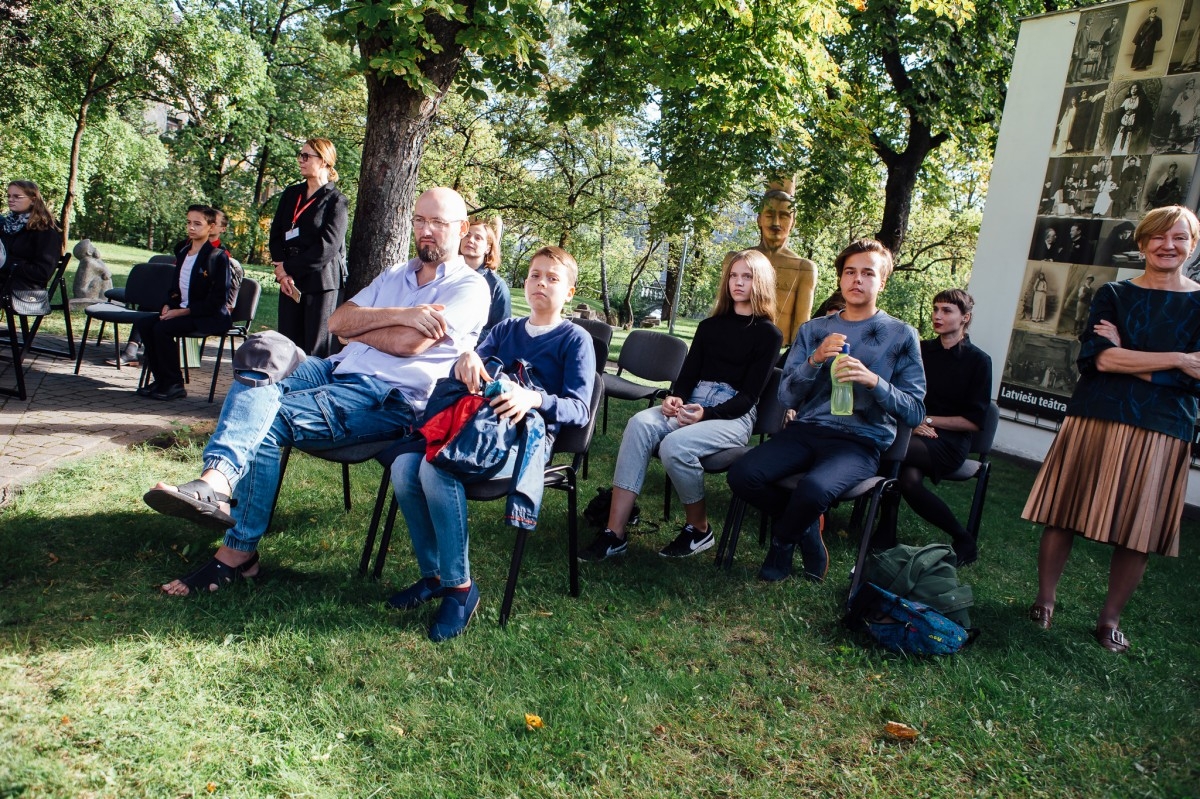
[
  {"x": 415, "y": 595},
  {"x": 778, "y": 565},
  {"x": 455, "y": 613},
  {"x": 604, "y": 545}
]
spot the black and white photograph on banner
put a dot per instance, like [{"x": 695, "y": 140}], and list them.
[
  {"x": 1041, "y": 297},
  {"x": 1078, "y": 291},
  {"x": 1116, "y": 242},
  {"x": 1129, "y": 110},
  {"x": 1130, "y": 176},
  {"x": 1176, "y": 127},
  {"x": 1039, "y": 367},
  {"x": 1185, "y": 55},
  {"x": 1167, "y": 180},
  {"x": 1150, "y": 28},
  {"x": 1097, "y": 43},
  {"x": 1079, "y": 119},
  {"x": 1065, "y": 240}
]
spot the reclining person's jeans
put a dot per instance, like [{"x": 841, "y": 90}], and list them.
[{"x": 313, "y": 409}]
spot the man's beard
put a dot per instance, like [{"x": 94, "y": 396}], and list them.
[{"x": 431, "y": 254}]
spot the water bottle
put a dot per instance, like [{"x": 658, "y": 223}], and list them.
[{"x": 841, "y": 402}]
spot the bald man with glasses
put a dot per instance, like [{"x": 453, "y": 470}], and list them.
[{"x": 403, "y": 332}]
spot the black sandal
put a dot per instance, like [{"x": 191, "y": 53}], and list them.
[
  {"x": 195, "y": 501},
  {"x": 219, "y": 574}
]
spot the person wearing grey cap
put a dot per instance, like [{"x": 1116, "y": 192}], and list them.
[{"x": 405, "y": 330}]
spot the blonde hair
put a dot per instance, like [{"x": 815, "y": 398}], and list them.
[
  {"x": 562, "y": 257},
  {"x": 1160, "y": 220},
  {"x": 39, "y": 215},
  {"x": 762, "y": 289},
  {"x": 491, "y": 259},
  {"x": 327, "y": 152}
]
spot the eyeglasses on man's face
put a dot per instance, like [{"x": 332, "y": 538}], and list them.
[
  {"x": 304, "y": 157},
  {"x": 435, "y": 224}
]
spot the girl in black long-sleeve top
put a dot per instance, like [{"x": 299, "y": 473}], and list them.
[
  {"x": 32, "y": 242},
  {"x": 197, "y": 304},
  {"x": 307, "y": 244}
]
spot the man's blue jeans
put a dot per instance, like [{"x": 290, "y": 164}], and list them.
[{"x": 313, "y": 409}]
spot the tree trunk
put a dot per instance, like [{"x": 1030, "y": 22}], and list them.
[
  {"x": 902, "y": 171},
  {"x": 607, "y": 305},
  {"x": 64, "y": 221},
  {"x": 399, "y": 119}
]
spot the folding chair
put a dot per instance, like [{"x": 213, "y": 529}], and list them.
[
  {"x": 767, "y": 422},
  {"x": 241, "y": 318},
  {"x": 22, "y": 305},
  {"x": 980, "y": 468},
  {"x": 656, "y": 357},
  {"x": 602, "y": 334},
  {"x": 573, "y": 441},
  {"x": 146, "y": 292},
  {"x": 869, "y": 491}
]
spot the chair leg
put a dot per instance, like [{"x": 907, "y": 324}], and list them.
[
  {"x": 864, "y": 542},
  {"x": 346, "y": 486},
  {"x": 572, "y": 534},
  {"x": 981, "y": 483},
  {"x": 283, "y": 462},
  {"x": 212, "y": 389},
  {"x": 183, "y": 350},
  {"x": 18, "y": 365},
  {"x": 385, "y": 540},
  {"x": 605, "y": 429},
  {"x": 83, "y": 343},
  {"x": 100, "y": 335},
  {"x": 514, "y": 568},
  {"x": 730, "y": 532},
  {"x": 376, "y": 513}
]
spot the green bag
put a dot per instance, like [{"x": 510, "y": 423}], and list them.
[{"x": 927, "y": 574}]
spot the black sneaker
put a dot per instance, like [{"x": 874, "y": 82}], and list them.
[
  {"x": 604, "y": 545},
  {"x": 690, "y": 541}
]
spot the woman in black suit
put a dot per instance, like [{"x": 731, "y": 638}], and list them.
[
  {"x": 30, "y": 240},
  {"x": 307, "y": 245},
  {"x": 197, "y": 304}
]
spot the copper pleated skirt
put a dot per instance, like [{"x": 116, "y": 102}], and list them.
[{"x": 1113, "y": 483}]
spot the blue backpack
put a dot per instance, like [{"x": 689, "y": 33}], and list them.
[{"x": 903, "y": 625}]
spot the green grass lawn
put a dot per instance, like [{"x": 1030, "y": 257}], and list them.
[{"x": 664, "y": 679}]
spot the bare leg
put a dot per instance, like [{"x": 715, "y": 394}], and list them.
[
  {"x": 696, "y": 515},
  {"x": 1124, "y": 574},
  {"x": 1052, "y": 558},
  {"x": 619, "y": 510}
]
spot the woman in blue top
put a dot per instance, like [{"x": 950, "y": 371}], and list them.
[
  {"x": 433, "y": 501},
  {"x": 1117, "y": 470},
  {"x": 480, "y": 248}
]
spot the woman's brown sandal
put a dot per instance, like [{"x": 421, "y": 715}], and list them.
[
  {"x": 1041, "y": 615},
  {"x": 1111, "y": 639}
]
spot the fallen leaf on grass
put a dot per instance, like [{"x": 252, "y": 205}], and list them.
[
  {"x": 211, "y": 787},
  {"x": 53, "y": 558},
  {"x": 533, "y": 722},
  {"x": 899, "y": 731},
  {"x": 659, "y": 730},
  {"x": 66, "y": 719},
  {"x": 398, "y": 730}
]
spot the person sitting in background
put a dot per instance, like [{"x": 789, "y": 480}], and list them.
[
  {"x": 30, "y": 241},
  {"x": 480, "y": 248},
  {"x": 958, "y": 380},
  {"x": 834, "y": 452},
  {"x": 196, "y": 304},
  {"x": 434, "y": 502}
]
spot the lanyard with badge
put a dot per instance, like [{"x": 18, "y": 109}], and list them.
[{"x": 295, "y": 231}]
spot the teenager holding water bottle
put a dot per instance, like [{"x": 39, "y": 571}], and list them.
[{"x": 834, "y": 452}]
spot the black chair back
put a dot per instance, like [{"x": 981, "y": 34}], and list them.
[
  {"x": 576, "y": 440},
  {"x": 656, "y": 357},
  {"x": 769, "y": 420},
  {"x": 983, "y": 438},
  {"x": 246, "y": 307},
  {"x": 601, "y": 333},
  {"x": 149, "y": 286}
]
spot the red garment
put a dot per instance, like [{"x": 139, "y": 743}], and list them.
[{"x": 440, "y": 428}]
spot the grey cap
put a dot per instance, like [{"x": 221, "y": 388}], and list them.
[{"x": 269, "y": 352}]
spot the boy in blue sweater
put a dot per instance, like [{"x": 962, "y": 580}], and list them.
[
  {"x": 834, "y": 452},
  {"x": 433, "y": 501}
]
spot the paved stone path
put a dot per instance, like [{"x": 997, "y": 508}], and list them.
[{"x": 69, "y": 416}]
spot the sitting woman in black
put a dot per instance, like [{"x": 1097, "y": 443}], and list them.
[
  {"x": 197, "y": 304},
  {"x": 958, "y": 377},
  {"x": 30, "y": 241}
]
